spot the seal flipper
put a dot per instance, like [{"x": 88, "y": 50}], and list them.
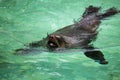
[
  {"x": 91, "y": 9},
  {"x": 110, "y": 12},
  {"x": 96, "y": 55}
]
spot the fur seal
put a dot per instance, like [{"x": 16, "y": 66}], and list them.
[{"x": 79, "y": 34}]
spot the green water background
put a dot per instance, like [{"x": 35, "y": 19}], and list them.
[{"x": 24, "y": 21}]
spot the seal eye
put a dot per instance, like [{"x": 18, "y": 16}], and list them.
[{"x": 51, "y": 37}]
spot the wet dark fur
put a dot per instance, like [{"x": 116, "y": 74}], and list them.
[{"x": 80, "y": 34}]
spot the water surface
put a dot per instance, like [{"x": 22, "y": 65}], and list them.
[{"x": 24, "y": 21}]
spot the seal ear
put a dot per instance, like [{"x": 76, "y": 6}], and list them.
[
  {"x": 48, "y": 35},
  {"x": 91, "y": 9}
]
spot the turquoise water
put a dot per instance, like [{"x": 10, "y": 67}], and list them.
[{"x": 24, "y": 21}]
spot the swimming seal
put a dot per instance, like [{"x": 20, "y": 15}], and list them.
[{"x": 79, "y": 34}]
